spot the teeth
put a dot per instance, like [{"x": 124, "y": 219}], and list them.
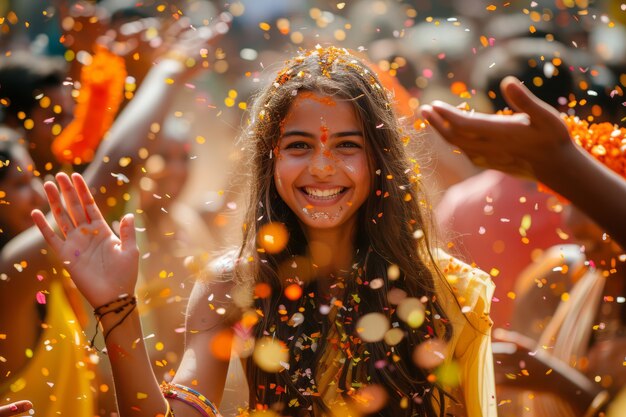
[{"x": 326, "y": 194}]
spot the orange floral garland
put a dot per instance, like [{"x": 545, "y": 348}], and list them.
[
  {"x": 101, "y": 93},
  {"x": 604, "y": 141}
]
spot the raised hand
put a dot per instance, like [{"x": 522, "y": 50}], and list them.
[
  {"x": 519, "y": 144},
  {"x": 191, "y": 45},
  {"x": 102, "y": 266}
]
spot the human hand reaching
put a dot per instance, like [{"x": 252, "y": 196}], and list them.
[
  {"x": 102, "y": 266},
  {"x": 521, "y": 363},
  {"x": 191, "y": 45},
  {"x": 520, "y": 144}
]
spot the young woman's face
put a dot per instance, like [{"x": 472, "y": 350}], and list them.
[
  {"x": 21, "y": 192},
  {"x": 322, "y": 171}
]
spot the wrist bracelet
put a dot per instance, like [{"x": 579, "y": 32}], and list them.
[
  {"x": 190, "y": 397},
  {"x": 598, "y": 403},
  {"x": 115, "y": 306}
]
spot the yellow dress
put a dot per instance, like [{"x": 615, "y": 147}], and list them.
[
  {"x": 471, "y": 337},
  {"x": 57, "y": 378},
  {"x": 466, "y": 297}
]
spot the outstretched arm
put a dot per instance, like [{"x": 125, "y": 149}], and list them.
[
  {"x": 520, "y": 363},
  {"x": 535, "y": 144},
  {"x": 131, "y": 131},
  {"x": 104, "y": 268}
]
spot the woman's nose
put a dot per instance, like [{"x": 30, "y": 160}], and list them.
[{"x": 322, "y": 164}]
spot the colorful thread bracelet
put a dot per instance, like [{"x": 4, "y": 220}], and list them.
[{"x": 190, "y": 397}]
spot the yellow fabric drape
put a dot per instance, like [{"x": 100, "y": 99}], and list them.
[{"x": 57, "y": 378}]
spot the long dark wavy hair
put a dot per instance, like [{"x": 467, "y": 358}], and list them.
[{"x": 389, "y": 220}]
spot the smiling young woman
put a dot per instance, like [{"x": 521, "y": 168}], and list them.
[{"x": 353, "y": 312}]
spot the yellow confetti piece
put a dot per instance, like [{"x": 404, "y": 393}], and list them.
[
  {"x": 565, "y": 296},
  {"x": 491, "y": 7},
  {"x": 264, "y": 26},
  {"x": 372, "y": 327},
  {"x": 393, "y": 272},
  {"x": 511, "y": 295},
  {"x": 159, "y": 346},
  {"x": 494, "y": 272},
  {"x": 270, "y": 355},
  {"x": 142, "y": 395},
  {"x": 18, "y": 385}
]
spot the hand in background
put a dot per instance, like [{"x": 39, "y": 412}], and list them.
[{"x": 518, "y": 144}]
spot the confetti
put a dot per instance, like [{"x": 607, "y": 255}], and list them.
[
  {"x": 273, "y": 237},
  {"x": 430, "y": 353},
  {"x": 270, "y": 355},
  {"x": 372, "y": 327},
  {"x": 411, "y": 310}
]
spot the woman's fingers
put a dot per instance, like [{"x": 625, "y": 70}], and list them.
[
  {"x": 127, "y": 233},
  {"x": 73, "y": 204},
  {"x": 86, "y": 199},
  {"x": 46, "y": 230},
  {"x": 56, "y": 206}
]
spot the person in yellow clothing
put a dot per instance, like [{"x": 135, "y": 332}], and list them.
[
  {"x": 58, "y": 376},
  {"x": 335, "y": 295}
]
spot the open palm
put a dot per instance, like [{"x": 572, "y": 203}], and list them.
[
  {"x": 102, "y": 265},
  {"x": 520, "y": 144}
]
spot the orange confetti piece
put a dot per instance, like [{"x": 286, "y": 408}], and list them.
[{"x": 293, "y": 292}]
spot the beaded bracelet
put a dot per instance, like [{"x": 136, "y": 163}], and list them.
[{"x": 191, "y": 397}]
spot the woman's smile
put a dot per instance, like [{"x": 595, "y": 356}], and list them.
[{"x": 322, "y": 170}]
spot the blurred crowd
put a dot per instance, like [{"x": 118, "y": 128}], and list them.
[{"x": 174, "y": 161}]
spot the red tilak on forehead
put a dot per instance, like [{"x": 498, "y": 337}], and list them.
[{"x": 324, "y": 131}]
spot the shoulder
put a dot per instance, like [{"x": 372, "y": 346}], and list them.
[
  {"x": 464, "y": 281},
  {"x": 219, "y": 291},
  {"x": 465, "y": 291}
]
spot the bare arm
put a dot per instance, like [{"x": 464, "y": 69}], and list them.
[
  {"x": 535, "y": 144},
  {"x": 150, "y": 106},
  {"x": 522, "y": 364},
  {"x": 104, "y": 268}
]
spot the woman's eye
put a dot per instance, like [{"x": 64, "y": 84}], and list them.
[
  {"x": 349, "y": 144},
  {"x": 297, "y": 145}
]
